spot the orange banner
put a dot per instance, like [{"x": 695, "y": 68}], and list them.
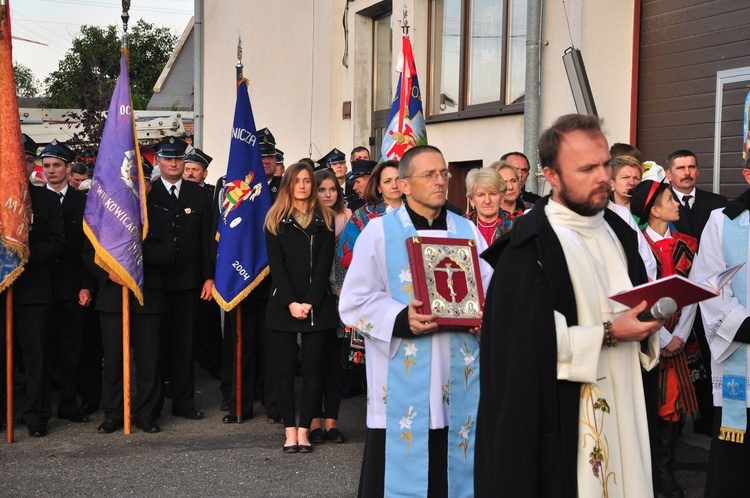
[{"x": 15, "y": 205}]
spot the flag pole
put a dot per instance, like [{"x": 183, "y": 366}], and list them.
[
  {"x": 238, "y": 345},
  {"x": 125, "y": 291},
  {"x": 9, "y": 364}
]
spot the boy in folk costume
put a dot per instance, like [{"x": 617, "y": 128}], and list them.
[{"x": 680, "y": 358}]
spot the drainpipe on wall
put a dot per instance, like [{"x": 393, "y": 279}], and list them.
[
  {"x": 198, "y": 75},
  {"x": 532, "y": 115}
]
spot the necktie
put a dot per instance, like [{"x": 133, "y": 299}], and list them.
[
  {"x": 173, "y": 192},
  {"x": 686, "y": 201},
  {"x": 61, "y": 197}
]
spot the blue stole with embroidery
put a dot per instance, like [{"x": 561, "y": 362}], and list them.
[
  {"x": 734, "y": 381},
  {"x": 408, "y": 389}
]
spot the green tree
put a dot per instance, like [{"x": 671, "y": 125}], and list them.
[
  {"x": 26, "y": 83},
  {"x": 86, "y": 77},
  {"x": 87, "y": 74}
]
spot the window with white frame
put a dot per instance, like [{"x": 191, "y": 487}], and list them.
[{"x": 477, "y": 57}]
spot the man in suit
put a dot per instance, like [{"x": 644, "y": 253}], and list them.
[
  {"x": 189, "y": 277},
  {"x": 71, "y": 282},
  {"x": 695, "y": 208},
  {"x": 33, "y": 298},
  {"x": 207, "y": 336},
  {"x": 521, "y": 163},
  {"x": 145, "y": 326},
  {"x": 196, "y": 170},
  {"x": 695, "y": 204}
]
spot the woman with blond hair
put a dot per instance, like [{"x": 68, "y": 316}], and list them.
[
  {"x": 485, "y": 189},
  {"x": 300, "y": 244}
]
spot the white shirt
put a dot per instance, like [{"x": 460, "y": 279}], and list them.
[
  {"x": 680, "y": 195},
  {"x": 64, "y": 191},
  {"x": 168, "y": 186}
]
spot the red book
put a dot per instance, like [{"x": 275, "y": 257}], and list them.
[
  {"x": 447, "y": 279},
  {"x": 679, "y": 288}
]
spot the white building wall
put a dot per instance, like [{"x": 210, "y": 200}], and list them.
[{"x": 293, "y": 59}]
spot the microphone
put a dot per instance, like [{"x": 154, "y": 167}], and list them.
[{"x": 663, "y": 308}]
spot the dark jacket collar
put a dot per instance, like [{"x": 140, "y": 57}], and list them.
[{"x": 737, "y": 206}]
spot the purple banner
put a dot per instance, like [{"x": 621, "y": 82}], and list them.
[{"x": 116, "y": 208}]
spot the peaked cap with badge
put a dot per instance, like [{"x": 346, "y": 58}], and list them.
[{"x": 58, "y": 150}]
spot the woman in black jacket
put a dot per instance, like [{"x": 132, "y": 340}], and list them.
[{"x": 300, "y": 245}]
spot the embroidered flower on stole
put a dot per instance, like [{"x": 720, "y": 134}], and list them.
[
  {"x": 405, "y": 423},
  {"x": 468, "y": 363},
  {"x": 463, "y": 433},
  {"x": 405, "y": 276},
  {"x": 410, "y": 352}
]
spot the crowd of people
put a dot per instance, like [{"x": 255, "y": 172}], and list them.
[{"x": 605, "y": 393}]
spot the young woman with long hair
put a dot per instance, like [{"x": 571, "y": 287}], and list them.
[{"x": 300, "y": 243}]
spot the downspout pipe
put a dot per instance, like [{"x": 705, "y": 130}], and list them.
[
  {"x": 198, "y": 75},
  {"x": 532, "y": 115}
]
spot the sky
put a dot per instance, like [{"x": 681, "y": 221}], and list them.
[{"x": 56, "y": 23}]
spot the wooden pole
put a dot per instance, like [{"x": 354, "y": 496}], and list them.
[
  {"x": 9, "y": 364},
  {"x": 238, "y": 369},
  {"x": 126, "y": 357}
]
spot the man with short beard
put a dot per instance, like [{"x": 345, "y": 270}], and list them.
[{"x": 562, "y": 410}]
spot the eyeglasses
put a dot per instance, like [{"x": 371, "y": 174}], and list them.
[{"x": 431, "y": 176}]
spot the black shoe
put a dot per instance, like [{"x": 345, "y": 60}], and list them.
[
  {"x": 20, "y": 420},
  {"x": 37, "y": 430},
  {"x": 232, "y": 418},
  {"x": 189, "y": 413},
  {"x": 89, "y": 408},
  {"x": 316, "y": 436},
  {"x": 305, "y": 448},
  {"x": 334, "y": 435},
  {"x": 293, "y": 448},
  {"x": 77, "y": 417},
  {"x": 109, "y": 426},
  {"x": 148, "y": 426}
]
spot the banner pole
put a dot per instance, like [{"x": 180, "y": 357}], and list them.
[
  {"x": 9, "y": 364},
  {"x": 126, "y": 357},
  {"x": 238, "y": 369}
]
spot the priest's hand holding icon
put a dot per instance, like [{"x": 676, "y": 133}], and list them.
[{"x": 418, "y": 323}]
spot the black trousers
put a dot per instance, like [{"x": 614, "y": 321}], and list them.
[
  {"x": 67, "y": 332},
  {"x": 32, "y": 334},
  {"x": 207, "y": 340},
  {"x": 253, "y": 320},
  {"x": 146, "y": 378},
  {"x": 728, "y": 465},
  {"x": 177, "y": 347},
  {"x": 372, "y": 477},
  {"x": 332, "y": 376},
  {"x": 312, "y": 358},
  {"x": 90, "y": 359}
]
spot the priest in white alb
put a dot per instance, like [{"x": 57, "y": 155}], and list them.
[{"x": 422, "y": 383}]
